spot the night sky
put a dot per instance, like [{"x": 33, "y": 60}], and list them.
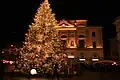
[{"x": 18, "y": 14}]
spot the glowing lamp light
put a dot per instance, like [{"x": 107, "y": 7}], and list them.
[
  {"x": 82, "y": 59},
  {"x": 11, "y": 45},
  {"x": 95, "y": 59},
  {"x": 2, "y": 51},
  {"x": 26, "y": 34},
  {"x": 114, "y": 63},
  {"x": 71, "y": 57},
  {"x": 90, "y": 47},
  {"x": 6, "y": 61},
  {"x": 33, "y": 72},
  {"x": 72, "y": 46},
  {"x": 63, "y": 24},
  {"x": 11, "y": 62}
]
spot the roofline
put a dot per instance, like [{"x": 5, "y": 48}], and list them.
[
  {"x": 117, "y": 18},
  {"x": 112, "y": 38},
  {"x": 95, "y": 26},
  {"x": 114, "y": 22},
  {"x": 72, "y": 19}
]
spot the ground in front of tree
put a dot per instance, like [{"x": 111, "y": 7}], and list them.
[{"x": 86, "y": 75}]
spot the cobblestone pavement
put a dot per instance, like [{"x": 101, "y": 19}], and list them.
[{"x": 87, "y": 75}]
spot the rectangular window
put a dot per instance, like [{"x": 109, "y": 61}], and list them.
[
  {"x": 94, "y": 44},
  {"x": 81, "y": 44},
  {"x": 93, "y": 34}
]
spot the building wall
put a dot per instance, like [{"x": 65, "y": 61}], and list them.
[
  {"x": 78, "y": 30},
  {"x": 97, "y": 38},
  {"x": 117, "y": 24},
  {"x": 113, "y": 48}
]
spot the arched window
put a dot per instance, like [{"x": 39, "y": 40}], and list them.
[
  {"x": 63, "y": 36},
  {"x": 81, "y": 36}
]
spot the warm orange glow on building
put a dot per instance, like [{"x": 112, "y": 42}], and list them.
[
  {"x": 68, "y": 28},
  {"x": 81, "y": 39}
]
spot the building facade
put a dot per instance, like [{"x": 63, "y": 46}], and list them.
[
  {"x": 83, "y": 42},
  {"x": 117, "y": 24},
  {"x": 113, "y": 48}
]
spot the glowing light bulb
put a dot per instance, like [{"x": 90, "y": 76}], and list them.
[{"x": 33, "y": 72}]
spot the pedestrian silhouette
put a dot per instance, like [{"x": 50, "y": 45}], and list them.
[
  {"x": 2, "y": 70},
  {"x": 56, "y": 75}
]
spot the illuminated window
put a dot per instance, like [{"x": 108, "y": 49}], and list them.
[
  {"x": 95, "y": 59},
  {"x": 82, "y": 59},
  {"x": 71, "y": 56}
]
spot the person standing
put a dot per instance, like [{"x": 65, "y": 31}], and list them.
[
  {"x": 56, "y": 75},
  {"x": 2, "y": 70},
  {"x": 1, "y": 74},
  {"x": 81, "y": 68}
]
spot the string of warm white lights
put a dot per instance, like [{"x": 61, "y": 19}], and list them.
[{"x": 42, "y": 47}]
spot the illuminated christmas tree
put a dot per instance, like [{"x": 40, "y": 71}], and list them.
[{"x": 42, "y": 47}]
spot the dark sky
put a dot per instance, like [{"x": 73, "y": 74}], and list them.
[{"x": 18, "y": 14}]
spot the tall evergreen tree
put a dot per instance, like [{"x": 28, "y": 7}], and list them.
[{"x": 42, "y": 47}]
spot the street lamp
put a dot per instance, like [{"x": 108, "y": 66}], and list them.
[{"x": 33, "y": 71}]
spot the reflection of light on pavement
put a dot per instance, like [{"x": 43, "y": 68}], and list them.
[
  {"x": 37, "y": 79},
  {"x": 20, "y": 78},
  {"x": 34, "y": 79}
]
